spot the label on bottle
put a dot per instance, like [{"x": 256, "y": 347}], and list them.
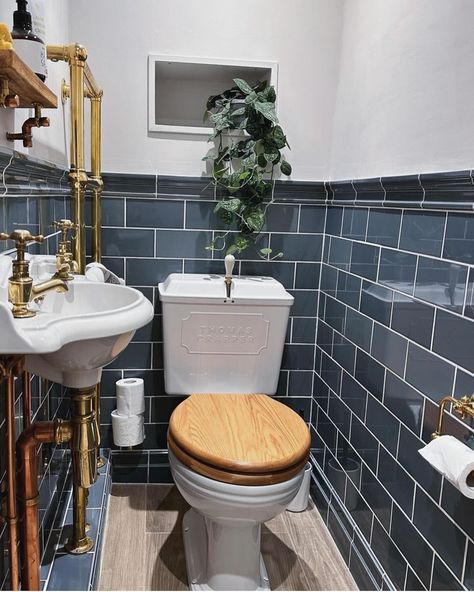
[{"x": 33, "y": 53}]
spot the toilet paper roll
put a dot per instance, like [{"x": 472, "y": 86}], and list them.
[
  {"x": 127, "y": 430},
  {"x": 130, "y": 396},
  {"x": 454, "y": 460}
]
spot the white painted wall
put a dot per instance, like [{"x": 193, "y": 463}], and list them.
[
  {"x": 48, "y": 143},
  {"x": 405, "y": 96},
  {"x": 302, "y": 35}
]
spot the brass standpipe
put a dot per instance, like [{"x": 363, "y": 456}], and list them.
[
  {"x": 65, "y": 264},
  {"x": 21, "y": 290},
  {"x": 84, "y": 444}
]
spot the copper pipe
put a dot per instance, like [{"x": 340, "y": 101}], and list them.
[
  {"x": 25, "y": 378},
  {"x": 39, "y": 432},
  {"x": 11, "y": 489}
]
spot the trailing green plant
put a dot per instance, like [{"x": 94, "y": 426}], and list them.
[{"x": 247, "y": 154}]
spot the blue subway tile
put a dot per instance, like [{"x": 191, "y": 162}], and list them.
[
  {"x": 389, "y": 348},
  {"x": 370, "y": 373},
  {"x": 329, "y": 279},
  {"x": 428, "y": 373},
  {"x": 149, "y": 272},
  {"x": 397, "y": 482},
  {"x": 354, "y": 223},
  {"x": 344, "y": 352},
  {"x": 183, "y": 243},
  {"x": 416, "y": 465},
  {"x": 297, "y": 247},
  {"x": 340, "y": 253},
  {"x": 358, "y": 329},
  {"x": 403, "y": 401},
  {"x": 376, "y": 302},
  {"x": 348, "y": 289},
  {"x": 127, "y": 242},
  {"x": 459, "y": 239},
  {"x": 312, "y": 219},
  {"x": 282, "y": 218},
  {"x": 442, "y": 533},
  {"x": 334, "y": 221},
  {"x": 413, "y": 318},
  {"x": 442, "y": 578},
  {"x": 307, "y": 275},
  {"x": 147, "y": 213},
  {"x": 365, "y": 260},
  {"x": 389, "y": 556},
  {"x": 412, "y": 545},
  {"x": 453, "y": 338},
  {"x": 397, "y": 270},
  {"x": 365, "y": 443},
  {"x": 376, "y": 496},
  {"x": 422, "y": 232},
  {"x": 383, "y": 424},
  {"x": 384, "y": 227},
  {"x": 441, "y": 283},
  {"x": 353, "y": 395}
]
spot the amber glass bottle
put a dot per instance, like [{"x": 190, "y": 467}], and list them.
[{"x": 27, "y": 45}]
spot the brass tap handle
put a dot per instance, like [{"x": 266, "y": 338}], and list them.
[
  {"x": 21, "y": 238},
  {"x": 65, "y": 226}
]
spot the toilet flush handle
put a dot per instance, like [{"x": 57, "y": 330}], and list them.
[{"x": 229, "y": 266}]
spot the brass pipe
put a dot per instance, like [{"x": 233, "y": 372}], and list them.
[
  {"x": 11, "y": 482},
  {"x": 26, "y": 401},
  {"x": 58, "y": 431},
  {"x": 84, "y": 443},
  {"x": 100, "y": 460},
  {"x": 82, "y": 81},
  {"x": 96, "y": 142}
]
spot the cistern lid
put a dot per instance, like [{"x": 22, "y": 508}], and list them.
[
  {"x": 196, "y": 287},
  {"x": 247, "y": 439}
]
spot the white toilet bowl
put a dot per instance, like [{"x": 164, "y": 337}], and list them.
[{"x": 222, "y": 530}]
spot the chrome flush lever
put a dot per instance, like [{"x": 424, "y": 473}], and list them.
[{"x": 229, "y": 266}]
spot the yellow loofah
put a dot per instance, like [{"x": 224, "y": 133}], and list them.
[{"x": 5, "y": 37}]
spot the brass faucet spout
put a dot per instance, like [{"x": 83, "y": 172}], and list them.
[{"x": 52, "y": 284}]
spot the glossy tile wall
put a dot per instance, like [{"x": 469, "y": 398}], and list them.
[
  {"x": 32, "y": 194},
  {"x": 154, "y": 226},
  {"x": 394, "y": 336}
]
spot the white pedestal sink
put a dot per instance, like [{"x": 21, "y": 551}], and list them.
[{"x": 74, "y": 334}]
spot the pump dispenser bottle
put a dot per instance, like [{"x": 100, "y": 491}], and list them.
[{"x": 30, "y": 48}]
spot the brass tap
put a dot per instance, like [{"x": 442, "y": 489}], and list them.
[
  {"x": 65, "y": 264},
  {"x": 20, "y": 285}
]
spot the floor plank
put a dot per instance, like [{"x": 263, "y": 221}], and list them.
[
  {"x": 124, "y": 555},
  {"x": 165, "y": 508},
  {"x": 166, "y": 565}
]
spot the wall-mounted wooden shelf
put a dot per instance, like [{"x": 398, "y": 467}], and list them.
[{"x": 23, "y": 82}]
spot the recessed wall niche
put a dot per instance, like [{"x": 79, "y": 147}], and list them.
[{"x": 178, "y": 88}]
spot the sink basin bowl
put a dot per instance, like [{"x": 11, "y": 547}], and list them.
[{"x": 75, "y": 334}]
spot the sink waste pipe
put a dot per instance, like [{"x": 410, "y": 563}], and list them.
[
  {"x": 8, "y": 368},
  {"x": 58, "y": 431}
]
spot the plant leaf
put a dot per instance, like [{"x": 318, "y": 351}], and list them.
[
  {"x": 278, "y": 137},
  {"x": 266, "y": 251},
  {"x": 244, "y": 86},
  {"x": 254, "y": 219},
  {"x": 267, "y": 110},
  {"x": 285, "y": 168}
]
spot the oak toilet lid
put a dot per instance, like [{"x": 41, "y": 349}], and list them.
[{"x": 243, "y": 439}]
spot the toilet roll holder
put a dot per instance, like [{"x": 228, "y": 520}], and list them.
[{"x": 463, "y": 407}]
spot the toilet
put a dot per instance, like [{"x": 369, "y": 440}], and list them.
[{"x": 236, "y": 455}]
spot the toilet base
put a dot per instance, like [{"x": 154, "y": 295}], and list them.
[{"x": 195, "y": 550}]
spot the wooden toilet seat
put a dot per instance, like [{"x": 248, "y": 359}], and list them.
[{"x": 239, "y": 439}]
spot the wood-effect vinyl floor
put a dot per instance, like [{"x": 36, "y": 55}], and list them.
[{"x": 143, "y": 547}]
